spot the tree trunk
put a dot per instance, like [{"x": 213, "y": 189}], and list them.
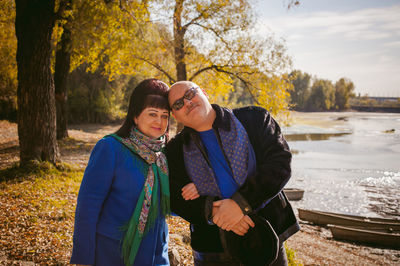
[
  {"x": 179, "y": 48},
  {"x": 36, "y": 104},
  {"x": 179, "y": 38},
  {"x": 63, "y": 59}
]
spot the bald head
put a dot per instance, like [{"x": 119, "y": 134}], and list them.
[
  {"x": 185, "y": 83},
  {"x": 190, "y": 105},
  {"x": 181, "y": 85}
]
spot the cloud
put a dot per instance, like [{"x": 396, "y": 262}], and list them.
[
  {"x": 364, "y": 24},
  {"x": 363, "y": 45},
  {"x": 394, "y": 44}
]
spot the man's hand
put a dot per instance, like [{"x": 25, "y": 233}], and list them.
[
  {"x": 189, "y": 192},
  {"x": 243, "y": 226},
  {"x": 228, "y": 214}
]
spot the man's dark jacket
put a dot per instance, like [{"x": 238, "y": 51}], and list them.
[{"x": 273, "y": 159}]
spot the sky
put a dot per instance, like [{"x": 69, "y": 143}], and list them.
[{"x": 356, "y": 39}]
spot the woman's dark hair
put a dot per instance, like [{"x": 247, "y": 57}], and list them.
[{"x": 148, "y": 93}]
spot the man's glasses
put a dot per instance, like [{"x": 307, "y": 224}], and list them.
[{"x": 189, "y": 94}]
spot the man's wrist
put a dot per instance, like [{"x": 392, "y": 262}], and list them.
[
  {"x": 242, "y": 202},
  {"x": 208, "y": 209}
]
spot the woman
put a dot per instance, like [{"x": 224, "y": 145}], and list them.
[{"x": 124, "y": 195}]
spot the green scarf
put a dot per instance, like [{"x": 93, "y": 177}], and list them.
[{"x": 147, "y": 209}]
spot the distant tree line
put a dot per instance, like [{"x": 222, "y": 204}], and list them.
[
  {"x": 313, "y": 94},
  {"x": 375, "y": 102}
]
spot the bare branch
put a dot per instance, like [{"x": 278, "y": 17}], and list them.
[
  {"x": 194, "y": 19},
  {"x": 213, "y": 31},
  {"x": 246, "y": 83},
  {"x": 158, "y": 67},
  {"x": 293, "y": 3},
  {"x": 216, "y": 68},
  {"x": 123, "y": 9},
  {"x": 64, "y": 5}
]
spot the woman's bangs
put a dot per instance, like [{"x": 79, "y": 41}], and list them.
[{"x": 156, "y": 101}]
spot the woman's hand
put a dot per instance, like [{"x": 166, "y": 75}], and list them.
[{"x": 189, "y": 192}]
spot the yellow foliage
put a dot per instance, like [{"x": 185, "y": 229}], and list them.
[
  {"x": 8, "y": 49},
  {"x": 216, "y": 40},
  {"x": 137, "y": 38},
  {"x": 108, "y": 34}
]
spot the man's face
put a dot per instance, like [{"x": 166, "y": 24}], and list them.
[{"x": 195, "y": 104}]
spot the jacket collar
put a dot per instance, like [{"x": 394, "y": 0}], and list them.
[{"x": 221, "y": 121}]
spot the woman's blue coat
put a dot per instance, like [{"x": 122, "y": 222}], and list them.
[{"x": 110, "y": 188}]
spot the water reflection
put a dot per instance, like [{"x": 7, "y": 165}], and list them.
[
  {"x": 383, "y": 194},
  {"x": 313, "y": 136},
  {"x": 347, "y": 162}
]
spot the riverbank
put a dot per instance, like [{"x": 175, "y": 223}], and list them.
[
  {"x": 36, "y": 214},
  {"x": 314, "y": 245}
]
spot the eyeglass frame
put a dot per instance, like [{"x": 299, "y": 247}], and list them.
[{"x": 181, "y": 101}]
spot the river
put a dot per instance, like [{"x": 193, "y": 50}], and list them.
[{"x": 347, "y": 162}]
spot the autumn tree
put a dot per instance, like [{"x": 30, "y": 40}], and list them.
[
  {"x": 61, "y": 69},
  {"x": 34, "y": 25},
  {"x": 90, "y": 31},
  {"x": 213, "y": 45},
  {"x": 301, "y": 89},
  {"x": 8, "y": 65},
  {"x": 208, "y": 42},
  {"x": 344, "y": 90},
  {"x": 105, "y": 32},
  {"x": 322, "y": 97}
]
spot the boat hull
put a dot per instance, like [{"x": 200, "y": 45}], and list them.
[
  {"x": 365, "y": 236},
  {"x": 325, "y": 218},
  {"x": 293, "y": 193}
]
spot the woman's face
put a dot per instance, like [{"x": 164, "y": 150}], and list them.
[{"x": 152, "y": 122}]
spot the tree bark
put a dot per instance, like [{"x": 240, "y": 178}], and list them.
[
  {"x": 36, "y": 104},
  {"x": 179, "y": 42},
  {"x": 179, "y": 48},
  {"x": 63, "y": 60}
]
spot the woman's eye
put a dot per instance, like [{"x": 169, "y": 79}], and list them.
[
  {"x": 152, "y": 114},
  {"x": 165, "y": 116}
]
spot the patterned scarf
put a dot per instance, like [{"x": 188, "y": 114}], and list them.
[
  {"x": 237, "y": 148},
  {"x": 147, "y": 209}
]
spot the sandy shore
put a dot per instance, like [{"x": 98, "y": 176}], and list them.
[{"x": 313, "y": 244}]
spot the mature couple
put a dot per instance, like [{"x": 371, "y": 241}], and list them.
[{"x": 225, "y": 174}]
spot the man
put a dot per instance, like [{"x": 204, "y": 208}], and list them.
[{"x": 239, "y": 163}]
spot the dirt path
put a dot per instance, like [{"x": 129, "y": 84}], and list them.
[{"x": 313, "y": 245}]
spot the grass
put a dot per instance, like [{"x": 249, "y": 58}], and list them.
[{"x": 291, "y": 256}]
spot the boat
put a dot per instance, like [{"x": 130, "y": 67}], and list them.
[
  {"x": 325, "y": 218},
  {"x": 366, "y": 236},
  {"x": 294, "y": 193}
]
